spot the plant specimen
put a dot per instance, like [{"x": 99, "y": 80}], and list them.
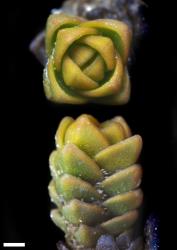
[
  {"x": 95, "y": 175},
  {"x": 95, "y": 179}
]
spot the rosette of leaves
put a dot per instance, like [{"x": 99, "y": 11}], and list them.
[
  {"x": 86, "y": 60},
  {"x": 95, "y": 179}
]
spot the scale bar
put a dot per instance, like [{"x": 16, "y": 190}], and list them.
[{"x": 22, "y": 244}]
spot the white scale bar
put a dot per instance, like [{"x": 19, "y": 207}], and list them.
[{"x": 14, "y": 244}]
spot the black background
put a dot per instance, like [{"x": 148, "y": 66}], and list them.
[{"x": 31, "y": 123}]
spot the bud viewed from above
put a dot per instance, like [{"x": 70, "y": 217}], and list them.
[{"x": 86, "y": 60}]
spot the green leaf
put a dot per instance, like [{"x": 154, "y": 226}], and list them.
[
  {"x": 75, "y": 162},
  {"x": 121, "y": 223},
  {"x": 122, "y": 181},
  {"x": 71, "y": 187},
  {"x": 78, "y": 212},
  {"x": 87, "y": 236},
  {"x": 120, "y": 155},
  {"x": 123, "y": 203},
  {"x": 58, "y": 219}
]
